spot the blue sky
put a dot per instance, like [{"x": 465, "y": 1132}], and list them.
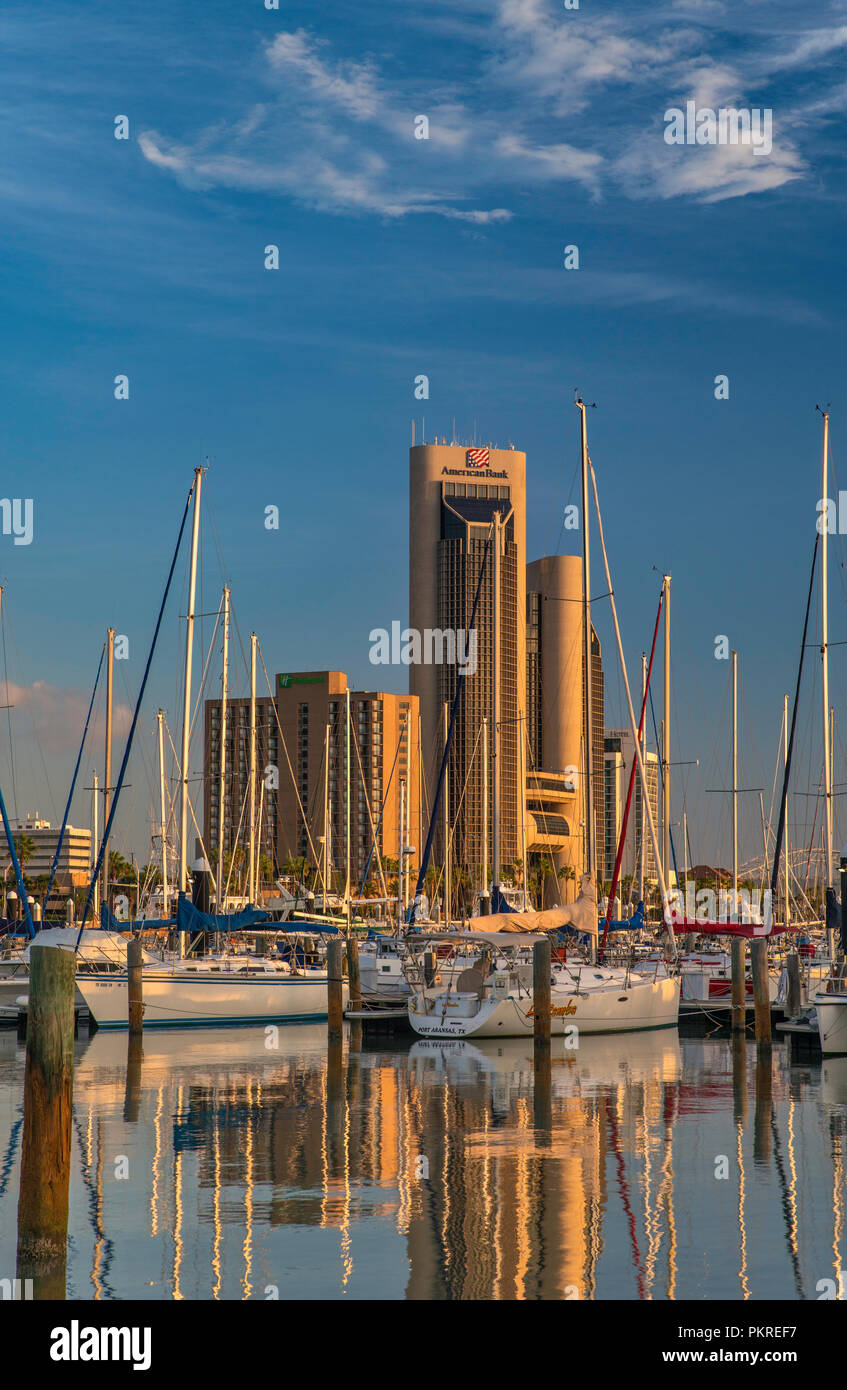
[{"x": 398, "y": 256}]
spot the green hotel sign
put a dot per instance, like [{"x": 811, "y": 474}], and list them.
[{"x": 288, "y": 680}]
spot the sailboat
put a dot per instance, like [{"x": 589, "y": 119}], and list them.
[
  {"x": 831, "y": 999},
  {"x": 483, "y": 988},
  {"x": 228, "y": 987}
]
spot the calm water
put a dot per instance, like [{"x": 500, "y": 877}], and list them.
[{"x": 431, "y": 1170}]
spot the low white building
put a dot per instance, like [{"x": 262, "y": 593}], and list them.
[{"x": 74, "y": 865}]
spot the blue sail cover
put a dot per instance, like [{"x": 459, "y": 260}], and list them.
[
  {"x": 633, "y": 923},
  {"x": 189, "y": 918},
  {"x": 109, "y": 922},
  {"x": 498, "y": 902}
]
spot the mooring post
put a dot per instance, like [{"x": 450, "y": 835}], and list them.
[
  {"x": 739, "y": 984},
  {"x": 542, "y": 1062},
  {"x": 353, "y": 978},
  {"x": 541, "y": 993},
  {"x": 133, "y": 972},
  {"x": 48, "y": 1102},
  {"x": 761, "y": 998},
  {"x": 335, "y": 991}
]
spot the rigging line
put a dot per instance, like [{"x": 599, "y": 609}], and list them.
[
  {"x": 190, "y": 807},
  {"x": 632, "y": 772},
  {"x": 201, "y": 686},
  {"x": 355, "y": 741},
  {"x": 374, "y": 832},
  {"x": 119, "y": 784},
  {"x": 780, "y": 829},
  {"x": 460, "y": 686},
  {"x": 670, "y": 828},
  {"x": 285, "y": 750},
  {"x": 60, "y": 840},
  {"x": 9, "y": 713}
]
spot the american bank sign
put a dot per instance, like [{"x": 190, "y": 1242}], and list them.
[{"x": 471, "y": 473}]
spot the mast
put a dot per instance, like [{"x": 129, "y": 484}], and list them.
[
  {"x": 590, "y": 848},
  {"x": 642, "y": 857},
  {"x": 522, "y": 786},
  {"x": 401, "y": 800},
  {"x": 107, "y": 790},
  {"x": 485, "y": 900},
  {"x": 347, "y": 888},
  {"x": 785, "y": 765},
  {"x": 95, "y": 836},
  {"x": 186, "y": 708},
  {"x": 222, "y": 761},
  {"x": 251, "y": 880},
  {"x": 326, "y": 814},
  {"x": 495, "y": 701},
  {"x": 734, "y": 783},
  {"x": 827, "y": 763},
  {"x": 163, "y": 824},
  {"x": 447, "y": 884},
  {"x": 666, "y": 736}
]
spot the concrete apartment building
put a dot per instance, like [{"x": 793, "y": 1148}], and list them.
[{"x": 307, "y": 715}]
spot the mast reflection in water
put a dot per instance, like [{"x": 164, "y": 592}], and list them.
[{"x": 221, "y": 1167}]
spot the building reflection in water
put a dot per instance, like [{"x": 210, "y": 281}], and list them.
[{"x": 420, "y": 1171}]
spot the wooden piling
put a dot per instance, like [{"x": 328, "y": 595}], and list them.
[
  {"x": 48, "y": 1101},
  {"x": 353, "y": 978},
  {"x": 133, "y": 973},
  {"x": 541, "y": 993},
  {"x": 739, "y": 984},
  {"x": 792, "y": 1002},
  {"x": 761, "y": 997},
  {"x": 335, "y": 987}
]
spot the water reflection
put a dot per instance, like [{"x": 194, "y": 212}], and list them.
[{"x": 218, "y": 1166}]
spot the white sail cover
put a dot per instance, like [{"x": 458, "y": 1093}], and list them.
[{"x": 581, "y": 915}]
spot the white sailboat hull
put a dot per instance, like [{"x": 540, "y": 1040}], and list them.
[
  {"x": 178, "y": 999},
  {"x": 831, "y": 1010},
  {"x": 622, "y": 1009}
]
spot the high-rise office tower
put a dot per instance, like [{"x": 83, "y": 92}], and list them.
[{"x": 454, "y": 492}]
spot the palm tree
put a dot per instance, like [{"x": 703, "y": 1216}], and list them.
[{"x": 26, "y": 848}]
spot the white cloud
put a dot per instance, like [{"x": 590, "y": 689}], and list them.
[{"x": 552, "y": 99}]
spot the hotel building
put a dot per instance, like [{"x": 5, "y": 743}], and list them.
[{"x": 307, "y": 713}]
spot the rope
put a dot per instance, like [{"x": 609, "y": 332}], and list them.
[
  {"x": 55, "y": 863},
  {"x": 137, "y": 711}
]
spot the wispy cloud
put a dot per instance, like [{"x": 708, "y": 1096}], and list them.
[
  {"x": 552, "y": 99},
  {"x": 56, "y": 717}
]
